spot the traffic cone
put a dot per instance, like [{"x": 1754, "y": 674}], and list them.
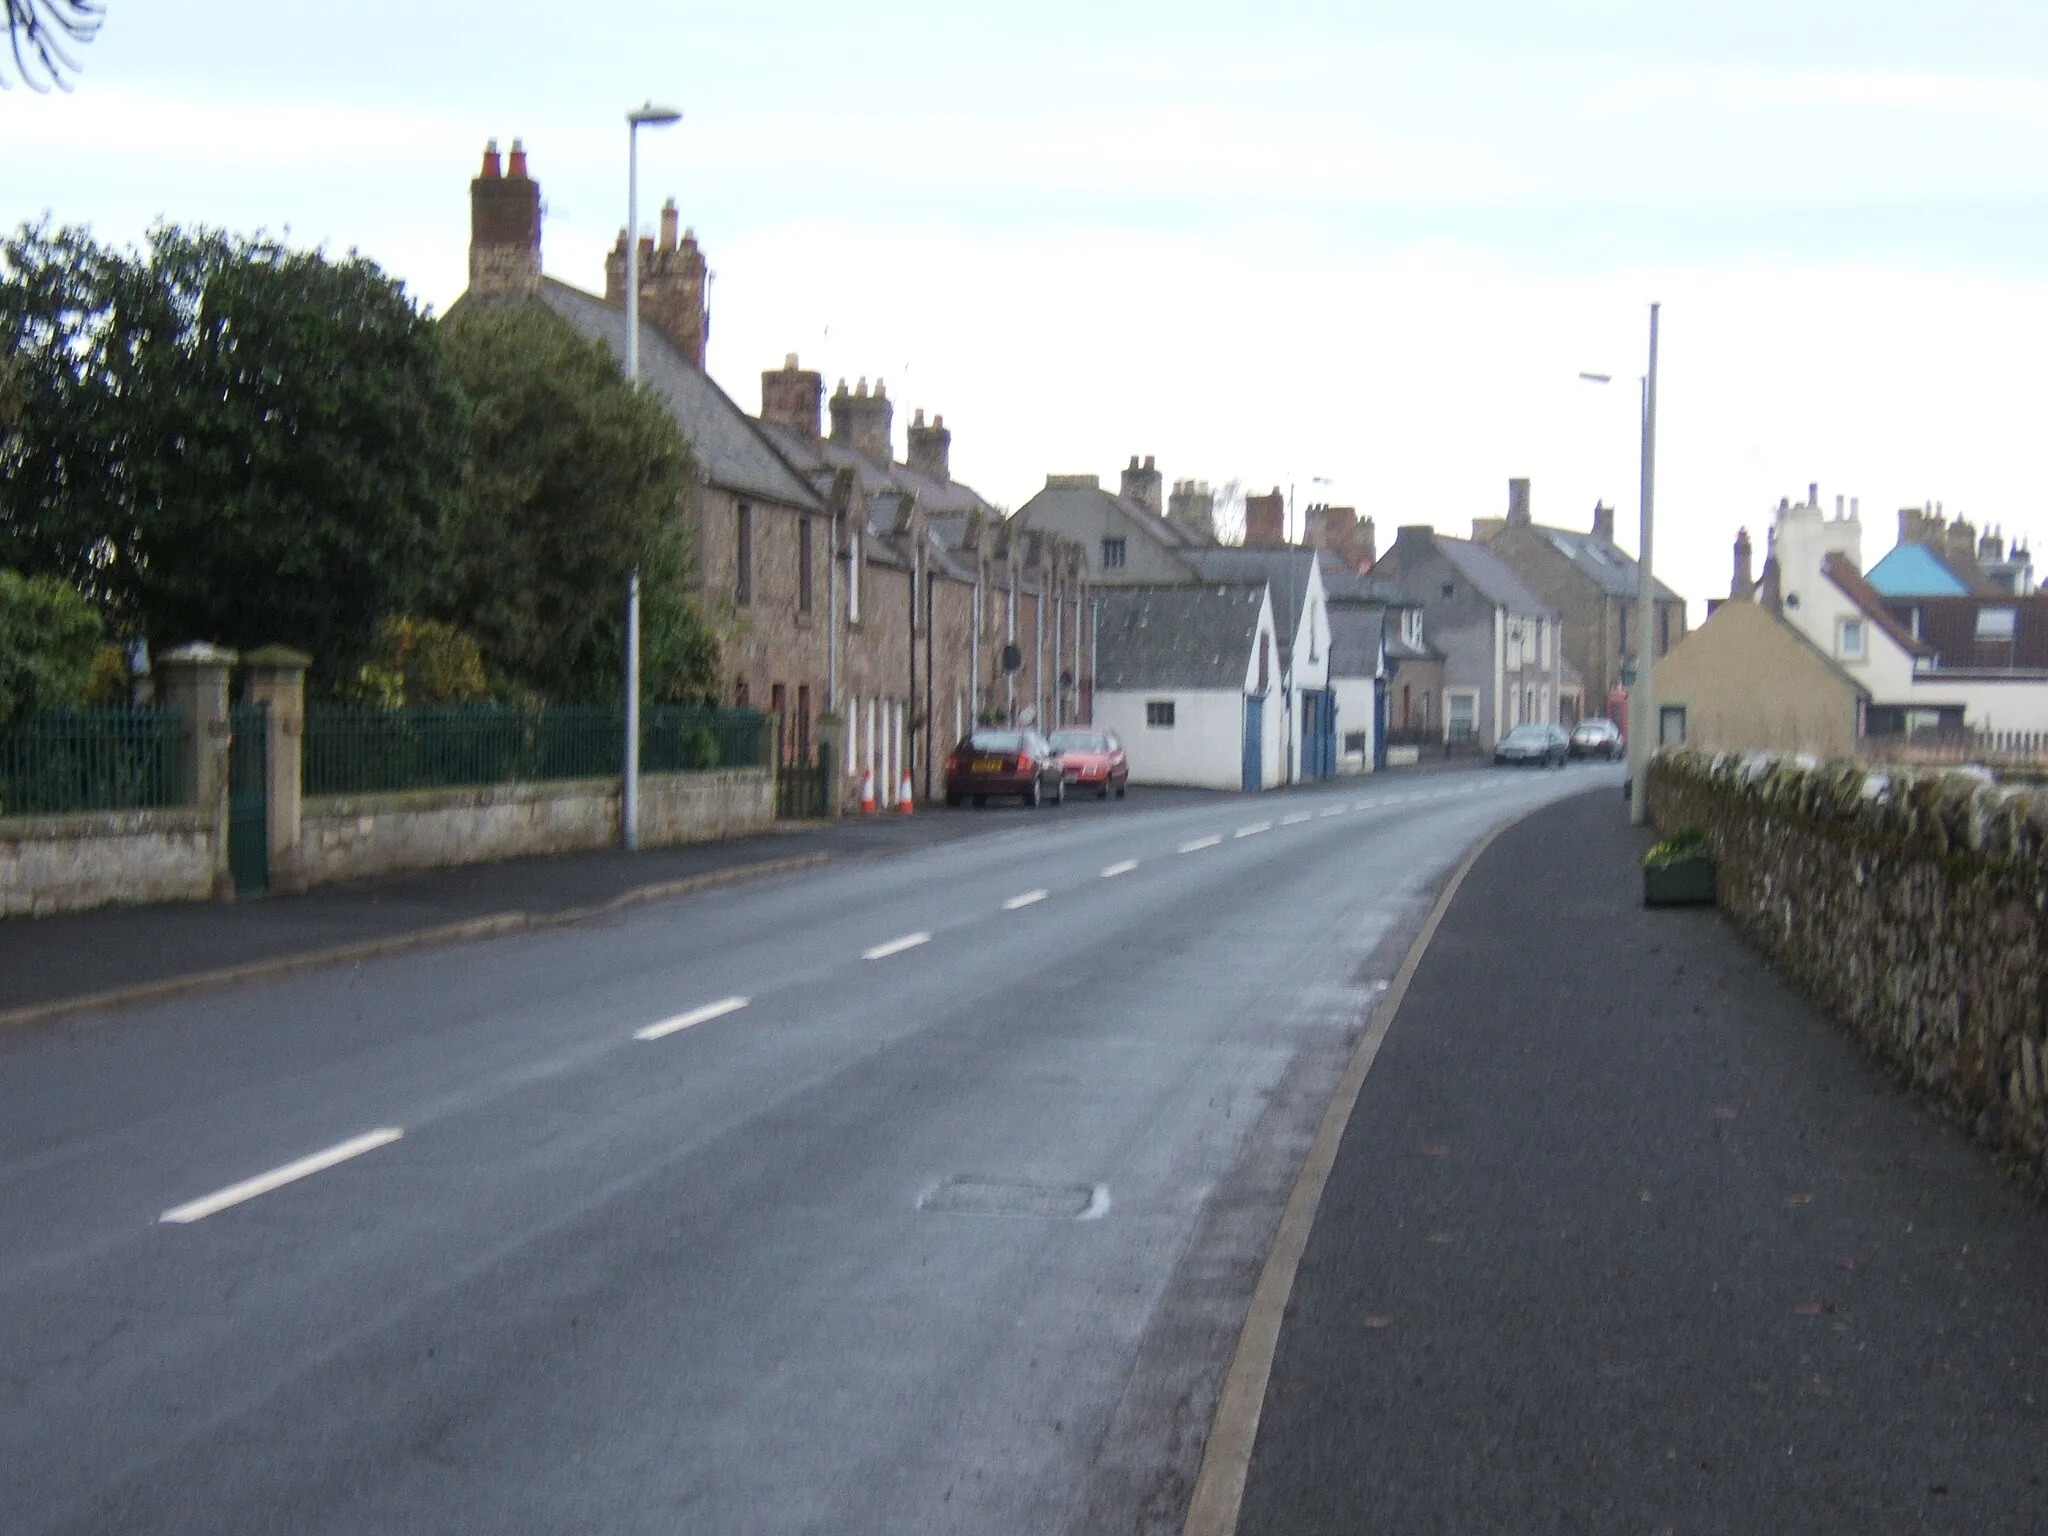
[
  {"x": 903, "y": 802},
  {"x": 867, "y": 794}
]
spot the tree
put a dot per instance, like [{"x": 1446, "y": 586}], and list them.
[
  {"x": 37, "y": 32},
  {"x": 222, "y": 439},
  {"x": 49, "y": 640},
  {"x": 575, "y": 478}
]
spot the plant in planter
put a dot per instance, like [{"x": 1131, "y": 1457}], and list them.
[{"x": 1679, "y": 871}]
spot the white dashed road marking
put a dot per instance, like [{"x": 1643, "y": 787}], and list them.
[
  {"x": 1336, "y": 810},
  {"x": 896, "y": 946},
  {"x": 1122, "y": 868},
  {"x": 1296, "y": 819},
  {"x": 1363, "y": 805},
  {"x": 1198, "y": 844},
  {"x": 264, "y": 1183},
  {"x": 1023, "y": 901},
  {"x": 1254, "y": 829},
  {"x": 715, "y": 1010}
]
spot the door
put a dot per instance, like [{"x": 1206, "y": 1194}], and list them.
[
  {"x": 1255, "y": 742},
  {"x": 249, "y": 798}
]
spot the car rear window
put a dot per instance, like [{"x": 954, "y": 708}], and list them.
[
  {"x": 996, "y": 741},
  {"x": 1079, "y": 741}
]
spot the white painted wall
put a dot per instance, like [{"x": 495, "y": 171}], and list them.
[
  {"x": 1354, "y": 713},
  {"x": 1987, "y": 705},
  {"x": 1204, "y": 746}
]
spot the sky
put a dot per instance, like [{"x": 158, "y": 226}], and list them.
[{"x": 1359, "y": 250}]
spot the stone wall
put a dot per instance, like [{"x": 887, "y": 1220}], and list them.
[
  {"x": 1912, "y": 906},
  {"x": 346, "y": 837},
  {"x": 94, "y": 859}
]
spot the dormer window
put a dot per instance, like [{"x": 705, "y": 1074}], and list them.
[
  {"x": 1112, "y": 554},
  {"x": 1995, "y": 623}
]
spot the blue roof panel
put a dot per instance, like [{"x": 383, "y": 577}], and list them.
[{"x": 1911, "y": 570}]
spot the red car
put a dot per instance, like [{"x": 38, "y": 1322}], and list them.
[
  {"x": 1092, "y": 760},
  {"x": 1005, "y": 762}
]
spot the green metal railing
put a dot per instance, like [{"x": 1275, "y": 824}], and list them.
[
  {"x": 60, "y": 760},
  {"x": 352, "y": 749}
]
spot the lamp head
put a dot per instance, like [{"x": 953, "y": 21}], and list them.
[{"x": 651, "y": 116}]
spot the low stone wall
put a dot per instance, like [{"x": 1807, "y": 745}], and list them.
[
  {"x": 345, "y": 837},
  {"x": 1911, "y": 905},
  {"x": 98, "y": 858}
]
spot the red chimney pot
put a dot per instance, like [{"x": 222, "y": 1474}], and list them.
[
  {"x": 518, "y": 166},
  {"x": 490, "y": 170}
]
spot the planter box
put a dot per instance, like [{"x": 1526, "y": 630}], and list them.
[{"x": 1685, "y": 883}]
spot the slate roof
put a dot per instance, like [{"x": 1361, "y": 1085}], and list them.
[
  {"x": 1286, "y": 571},
  {"x": 1836, "y": 568},
  {"x": 1176, "y": 636},
  {"x": 1915, "y": 570},
  {"x": 1356, "y": 634},
  {"x": 1491, "y": 576},
  {"x": 819, "y": 458},
  {"x": 728, "y": 445},
  {"x": 1604, "y": 561},
  {"x": 1054, "y": 496},
  {"x": 1949, "y": 626}
]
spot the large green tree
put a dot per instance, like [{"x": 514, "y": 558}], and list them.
[
  {"x": 575, "y": 478},
  {"x": 49, "y": 637},
  {"x": 222, "y": 439}
]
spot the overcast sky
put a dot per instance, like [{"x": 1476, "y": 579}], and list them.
[{"x": 1371, "y": 245}]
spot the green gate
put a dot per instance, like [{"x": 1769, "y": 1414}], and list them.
[
  {"x": 800, "y": 787},
  {"x": 249, "y": 798}
]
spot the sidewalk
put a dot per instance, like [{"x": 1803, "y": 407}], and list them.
[{"x": 1623, "y": 1237}]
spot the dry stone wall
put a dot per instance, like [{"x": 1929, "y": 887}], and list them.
[
  {"x": 1911, "y": 905},
  {"x": 96, "y": 858}
]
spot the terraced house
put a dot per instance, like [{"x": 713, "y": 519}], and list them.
[{"x": 843, "y": 585}]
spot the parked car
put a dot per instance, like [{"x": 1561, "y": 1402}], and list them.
[
  {"x": 1533, "y": 744},
  {"x": 991, "y": 761},
  {"x": 1598, "y": 737},
  {"x": 1092, "y": 760}
]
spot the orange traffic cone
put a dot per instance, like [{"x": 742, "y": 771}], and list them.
[
  {"x": 903, "y": 800},
  {"x": 867, "y": 794}
]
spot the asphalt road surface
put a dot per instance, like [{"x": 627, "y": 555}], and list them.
[{"x": 914, "y": 1195}]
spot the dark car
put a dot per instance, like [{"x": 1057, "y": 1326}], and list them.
[
  {"x": 993, "y": 761},
  {"x": 1092, "y": 760},
  {"x": 1537, "y": 744},
  {"x": 1598, "y": 737}
]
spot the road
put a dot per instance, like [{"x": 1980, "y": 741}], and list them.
[{"x": 894, "y": 1196}]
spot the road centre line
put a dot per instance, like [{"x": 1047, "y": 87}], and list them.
[
  {"x": 1363, "y": 805},
  {"x": 1336, "y": 810},
  {"x": 264, "y": 1183},
  {"x": 1196, "y": 845},
  {"x": 896, "y": 946},
  {"x": 1023, "y": 901},
  {"x": 715, "y": 1010},
  {"x": 1254, "y": 829},
  {"x": 1123, "y": 867},
  {"x": 1296, "y": 819}
]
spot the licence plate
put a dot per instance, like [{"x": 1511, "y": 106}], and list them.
[{"x": 988, "y": 765}]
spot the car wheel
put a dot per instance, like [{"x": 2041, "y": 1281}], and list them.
[
  {"x": 953, "y": 801},
  {"x": 1120, "y": 790},
  {"x": 1059, "y": 794},
  {"x": 1103, "y": 793},
  {"x": 1037, "y": 795},
  {"x": 980, "y": 802}
]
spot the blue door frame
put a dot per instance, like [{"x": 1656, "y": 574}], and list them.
[{"x": 1255, "y": 742}]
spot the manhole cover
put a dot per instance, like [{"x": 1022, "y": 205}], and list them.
[{"x": 962, "y": 1196}]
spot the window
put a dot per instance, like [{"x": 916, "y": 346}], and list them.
[
  {"x": 1461, "y": 715},
  {"x": 1622, "y": 646},
  {"x": 1411, "y": 625},
  {"x": 803, "y": 713},
  {"x": 1849, "y": 639},
  {"x": 1671, "y": 725},
  {"x": 803, "y": 565},
  {"x": 778, "y": 706},
  {"x": 1265, "y": 662},
  {"x": 1449, "y": 589},
  {"x": 743, "y": 555},
  {"x": 1159, "y": 714},
  {"x": 1994, "y": 623},
  {"x": 1663, "y": 630},
  {"x": 1112, "y": 554},
  {"x": 853, "y": 578}
]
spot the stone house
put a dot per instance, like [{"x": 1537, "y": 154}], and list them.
[
  {"x": 1747, "y": 680},
  {"x": 1502, "y": 660},
  {"x": 759, "y": 530},
  {"x": 1590, "y": 583},
  {"x": 1126, "y": 536}
]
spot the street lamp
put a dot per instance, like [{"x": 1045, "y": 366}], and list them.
[
  {"x": 644, "y": 116},
  {"x": 1641, "y": 692}
]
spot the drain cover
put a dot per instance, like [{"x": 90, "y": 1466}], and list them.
[{"x": 964, "y": 1196}]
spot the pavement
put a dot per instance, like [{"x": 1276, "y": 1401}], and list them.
[
  {"x": 899, "y": 1195},
  {"x": 1623, "y": 1236}
]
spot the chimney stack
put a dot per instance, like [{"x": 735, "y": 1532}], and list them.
[
  {"x": 1143, "y": 485},
  {"x": 1518, "y": 503},
  {"x": 1265, "y": 520},
  {"x": 674, "y": 297},
  {"x": 1368, "y": 550},
  {"x": 791, "y": 398},
  {"x": 1743, "y": 586},
  {"x": 504, "y": 228},
  {"x": 1603, "y": 521},
  {"x": 1192, "y": 509},
  {"x": 864, "y": 422},
  {"x": 1334, "y": 530},
  {"x": 931, "y": 448}
]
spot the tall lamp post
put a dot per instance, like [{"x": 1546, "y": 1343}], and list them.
[
  {"x": 647, "y": 115},
  {"x": 1642, "y": 717}
]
